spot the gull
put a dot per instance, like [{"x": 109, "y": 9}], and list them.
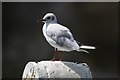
[{"x": 60, "y": 37}]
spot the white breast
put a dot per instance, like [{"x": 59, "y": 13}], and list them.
[{"x": 49, "y": 40}]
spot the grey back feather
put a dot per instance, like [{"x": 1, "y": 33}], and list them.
[{"x": 62, "y": 37}]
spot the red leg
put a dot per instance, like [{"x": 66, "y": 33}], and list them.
[
  {"x": 54, "y": 55},
  {"x": 62, "y": 52}
]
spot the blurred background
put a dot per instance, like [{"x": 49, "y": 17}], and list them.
[{"x": 94, "y": 24}]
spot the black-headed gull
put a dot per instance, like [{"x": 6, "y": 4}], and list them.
[{"x": 60, "y": 36}]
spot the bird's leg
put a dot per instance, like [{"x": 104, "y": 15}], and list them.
[
  {"x": 62, "y": 52},
  {"x": 54, "y": 54}
]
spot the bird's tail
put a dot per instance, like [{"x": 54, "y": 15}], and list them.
[
  {"x": 87, "y": 47},
  {"x": 81, "y": 49}
]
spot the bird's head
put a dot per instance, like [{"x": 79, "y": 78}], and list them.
[{"x": 49, "y": 18}]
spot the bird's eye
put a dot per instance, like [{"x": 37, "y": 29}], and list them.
[
  {"x": 52, "y": 18},
  {"x": 48, "y": 17}
]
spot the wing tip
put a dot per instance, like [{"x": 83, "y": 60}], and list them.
[{"x": 82, "y": 50}]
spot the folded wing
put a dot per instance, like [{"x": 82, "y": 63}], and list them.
[{"x": 61, "y": 35}]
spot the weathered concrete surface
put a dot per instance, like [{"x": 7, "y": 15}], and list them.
[{"x": 56, "y": 69}]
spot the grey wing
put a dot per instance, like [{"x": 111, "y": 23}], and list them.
[{"x": 63, "y": 38}]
